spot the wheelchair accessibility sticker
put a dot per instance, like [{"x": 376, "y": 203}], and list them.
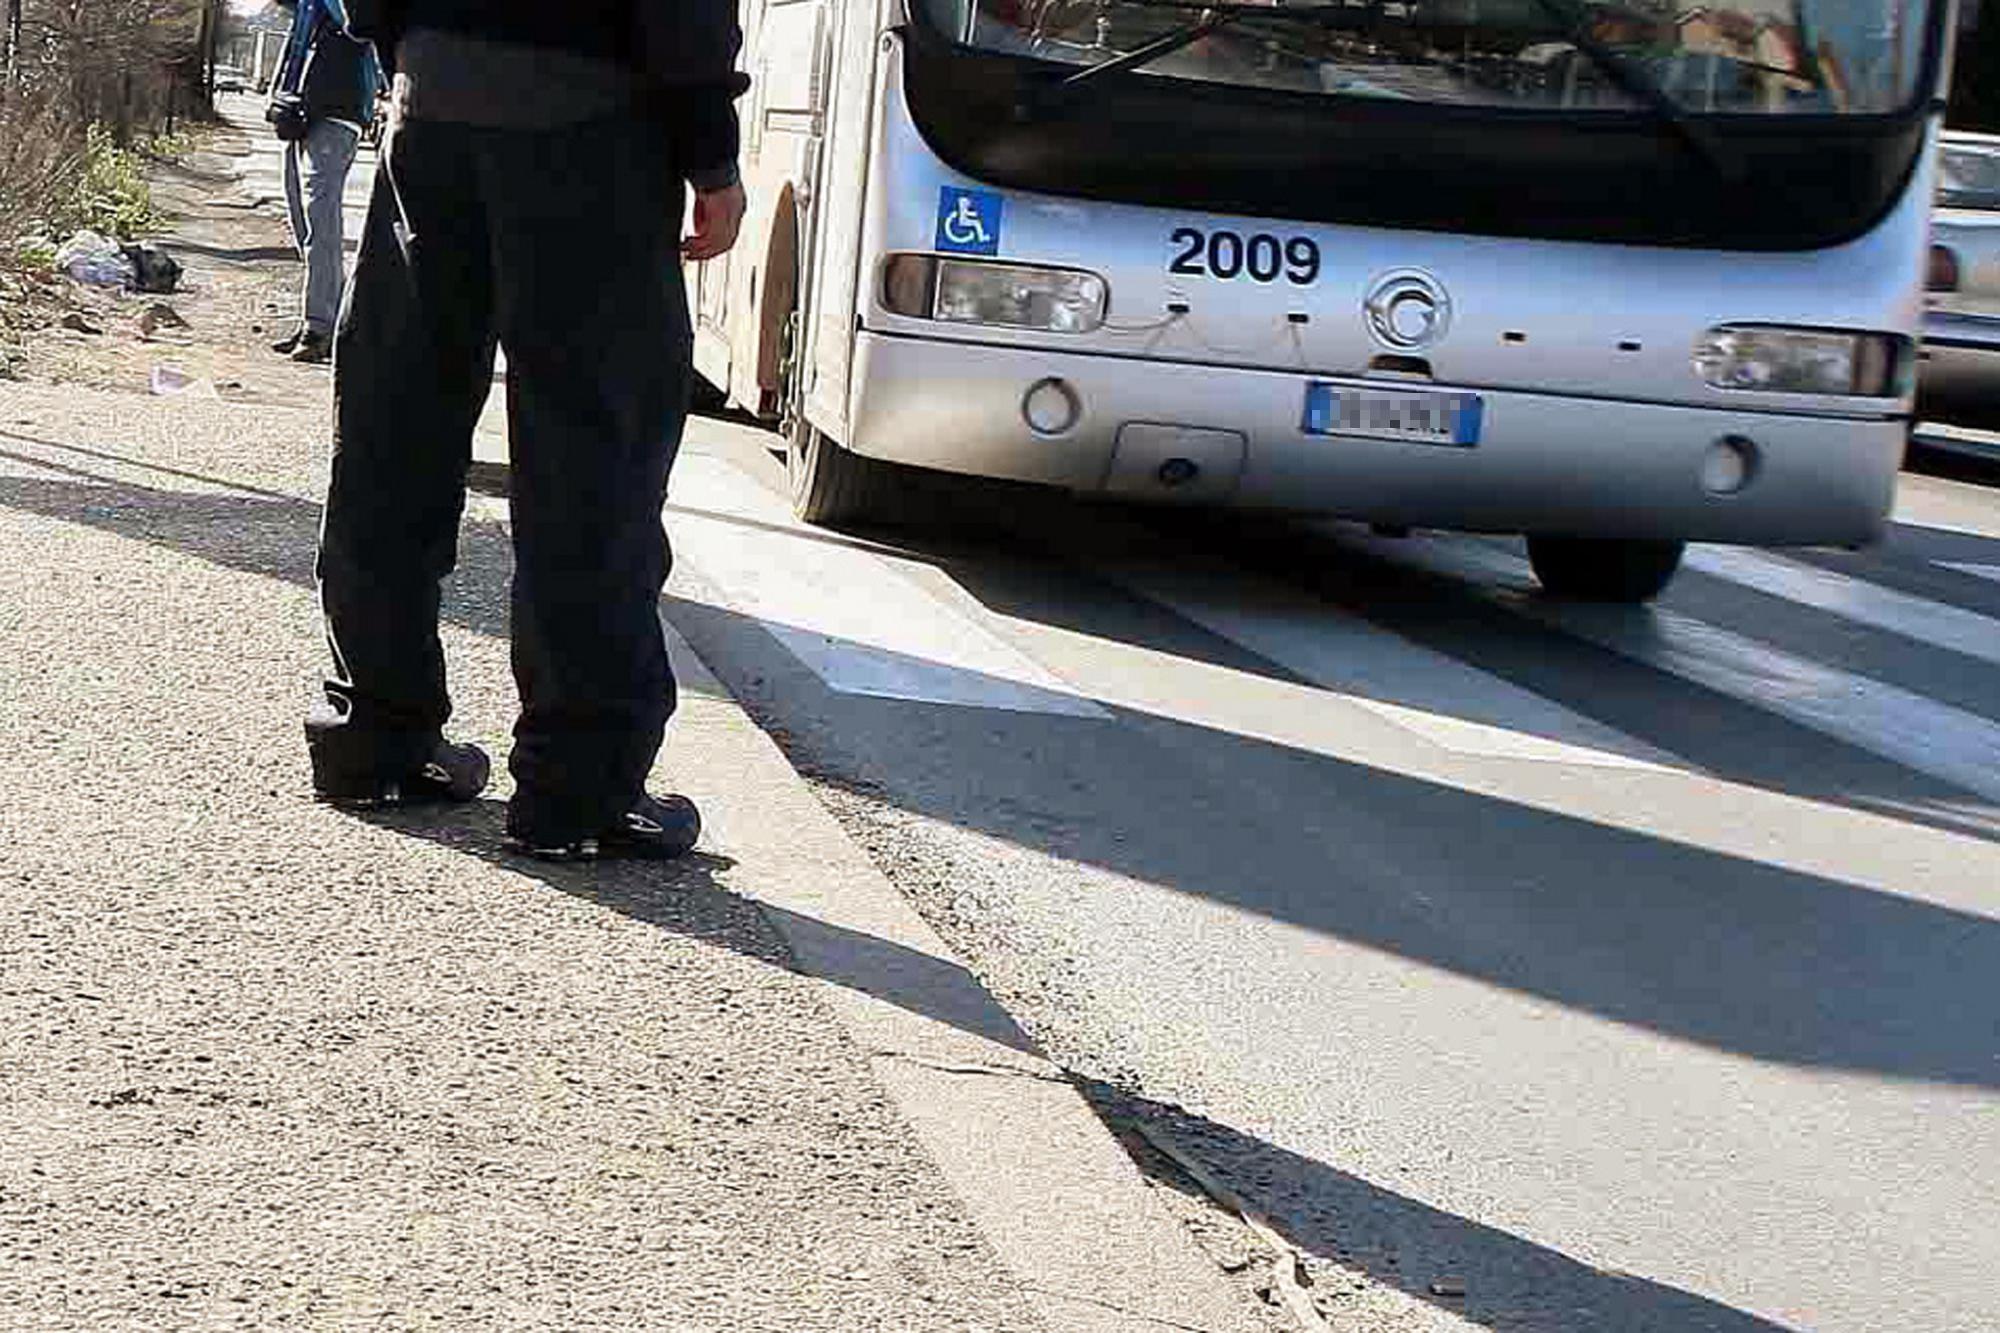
[{"x": 968, "y": 221}]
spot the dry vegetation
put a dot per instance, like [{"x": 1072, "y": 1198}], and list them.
[
  {"x": 82, "y": 82},
  {"x": 85, "y": 86}
]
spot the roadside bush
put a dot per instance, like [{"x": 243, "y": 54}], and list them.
[
  {"x": 37, "y": 254},
  {"x": 51, "y": 188},
  {"x": 166, "y": 147},
  {"x": 109, "y": 195}
]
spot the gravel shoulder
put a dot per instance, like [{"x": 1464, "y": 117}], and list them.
[
  {"x": 263, "y": 1064},
  {"x": 266, "y": 1065}
]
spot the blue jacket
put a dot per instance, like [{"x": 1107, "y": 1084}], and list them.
[{"x": 335, "y": 74}]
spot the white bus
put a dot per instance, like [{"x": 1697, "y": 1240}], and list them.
[{"x": 1612, "y": 276}]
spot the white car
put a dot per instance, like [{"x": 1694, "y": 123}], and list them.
[{"x": 1960, "y": 378}]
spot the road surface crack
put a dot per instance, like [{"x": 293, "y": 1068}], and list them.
[
  {"x": 979, "y": 1068},
  {"x": 1288, "y": 1270}
]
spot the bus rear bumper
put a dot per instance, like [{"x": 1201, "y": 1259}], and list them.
[{"x": 1543, "y": 463}]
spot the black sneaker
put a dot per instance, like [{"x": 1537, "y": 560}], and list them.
[
  {"x": 313, "y": 349},
  {"x": 652, "y": 830},
  {"x": 288, "y": 344},
  {"x": 452, "y": 773}
]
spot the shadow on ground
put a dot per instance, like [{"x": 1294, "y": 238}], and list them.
[
  {"x": 1678, "y": 939},
  {"x": 1350, "y": 1225},
  {"x": 1672, "y": 938},
  {"x": 1340, "y": 1220}
]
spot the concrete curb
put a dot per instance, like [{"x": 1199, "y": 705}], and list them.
[{"x": 1055, "y": 1195}]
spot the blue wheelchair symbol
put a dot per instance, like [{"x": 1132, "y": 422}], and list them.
[{"x": 968, "y": 221}]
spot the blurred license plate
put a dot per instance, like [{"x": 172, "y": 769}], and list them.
[{"x": 1417, "y": 415}]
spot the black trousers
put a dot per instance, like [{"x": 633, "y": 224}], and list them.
[{"x": 560, "y": 245}]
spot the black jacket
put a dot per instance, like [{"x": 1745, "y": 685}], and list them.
[{"x": 684, "y": 50}]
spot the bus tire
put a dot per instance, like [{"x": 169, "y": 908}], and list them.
[
  {"x": 832, "y": 486},
  {"x": 1598, "y": 569}
]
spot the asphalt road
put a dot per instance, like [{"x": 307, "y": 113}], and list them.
[
  {"x": 1626, "y": 971},
  {"x": 1631, "y": 969}
]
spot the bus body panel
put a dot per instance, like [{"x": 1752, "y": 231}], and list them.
[
  {"x": 1595, "y": 422},
  {"x": 1611, "y": 321},
  {"x": 837, "y": 209},
  {"x": 782, "y": 120},
  {"x": 1545, "y": 462}
]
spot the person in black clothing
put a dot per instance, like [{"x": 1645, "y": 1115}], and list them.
[{"x": 530, "y": 194}]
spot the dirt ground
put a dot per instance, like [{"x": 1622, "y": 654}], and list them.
[{"x": 238, "y": 292}]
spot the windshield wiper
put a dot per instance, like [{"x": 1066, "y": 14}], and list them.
[
  {"x": 1046, "y": 97},
  {"x": 1635, "y": 83},
  {"x": 1213, "y": 15},
  {"x": 1165, "y": 44}
]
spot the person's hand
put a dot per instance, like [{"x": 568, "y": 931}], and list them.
[{"x": 718, "y": 214}]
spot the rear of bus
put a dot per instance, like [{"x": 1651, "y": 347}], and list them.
[{"x": 1616, "y": 277}]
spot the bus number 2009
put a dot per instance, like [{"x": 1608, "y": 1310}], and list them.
[{"x": 1225, "y": 254}]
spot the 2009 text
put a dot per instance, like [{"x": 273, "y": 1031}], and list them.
[{"x": 1227, "y": 254}]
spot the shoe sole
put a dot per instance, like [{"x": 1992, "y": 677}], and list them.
[
  {"x": 594, "y": 849},
  {"x": 391, "y": 799}
]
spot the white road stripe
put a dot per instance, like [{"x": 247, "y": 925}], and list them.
[
  {"x": 863, "y": 628},
  {"x": 1933, "y": 738},
  {"x": 1447, "y": 702},
  {"x": 848, "y": 615},
  {"x": 1935, "y": 623},
  {"x": 1977, "y": 571}
]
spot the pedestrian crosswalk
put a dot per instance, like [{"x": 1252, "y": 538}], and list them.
[
  {"x": 1432, "y": 694},
  {"x": 871, "y": 620},
  {"x": 1977, "y": 571},
  {"x": 1334, "y": 835},
  {"x": 1917, "y": 618},
  {"x": 1885, "y": 719},
  {"x": 850, "y": 615}
]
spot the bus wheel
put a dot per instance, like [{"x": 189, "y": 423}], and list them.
[
  {"x": 833, "y": 486},
  {"x": 1596, "y": 569}
]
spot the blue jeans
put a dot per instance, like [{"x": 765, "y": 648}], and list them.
[{"x": 316, "y": 170}]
